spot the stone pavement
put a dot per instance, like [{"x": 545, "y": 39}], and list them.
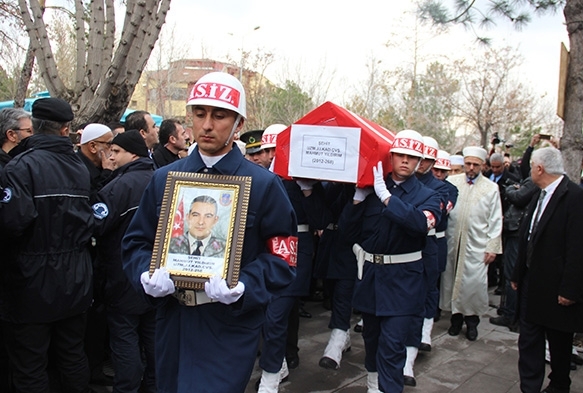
[{"x": 487, "y": 365}]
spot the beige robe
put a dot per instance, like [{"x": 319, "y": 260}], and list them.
[{"x": 474, "y": 228}]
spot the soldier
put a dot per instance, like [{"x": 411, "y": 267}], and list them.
[
  {"x": 390, "y": 230},
  {"x": 210, "y": 345},
  {"x": 422, "y": 326}
]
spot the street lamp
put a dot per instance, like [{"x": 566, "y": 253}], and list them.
[{"x": 242, "y": 62}]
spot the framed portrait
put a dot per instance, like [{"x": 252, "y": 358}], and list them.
[{"x": 201, "y": 228}]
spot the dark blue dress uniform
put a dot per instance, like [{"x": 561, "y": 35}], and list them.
[
  {"x": 390, "y": 295},
  {"x": 212, "y": 347},
  {"x": 335, "y": 260},
  {"x": 276, "y": 327},
  {"x": 430, "y": 252},
  {"x": 442, "y": 226}
]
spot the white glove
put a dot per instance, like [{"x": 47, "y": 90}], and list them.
[
  {"x": 306, "y": 184},
  {"x": 159, "y": 285},
  {"x": 380, "y": 187},
  {"x": 360, "y": 194},
  {"x": 216, "y": 289}
]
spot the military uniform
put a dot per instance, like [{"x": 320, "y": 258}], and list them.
[
  {"x": 389, "y": 294},
  {"x": 195, "y": 345}
]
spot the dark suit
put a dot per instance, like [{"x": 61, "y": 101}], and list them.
[{"x": 555, "y": 269}]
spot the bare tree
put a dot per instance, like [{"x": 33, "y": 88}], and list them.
[
  {"x": 472, "y": 14},
  {"x": 106, "y": 73}
]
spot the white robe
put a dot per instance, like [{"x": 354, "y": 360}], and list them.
[{"x": 474, "y": 228}]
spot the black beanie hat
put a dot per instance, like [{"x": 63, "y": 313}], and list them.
[
  {"x": 132, "y": 141},
  {"x": 53, "y": 109}
]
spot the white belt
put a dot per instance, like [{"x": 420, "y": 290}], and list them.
[
  {"x": 303, "y": 228},
  {"x": 431, "y": 232},
  {"x": 439, "y": 235},
  {"x": 392, "y": 259},
  {"x": 189, "y": 297},
  {"x": 332, "y": 227}
]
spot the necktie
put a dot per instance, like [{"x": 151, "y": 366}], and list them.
[
  {"x": 197, "y": 247},
  {"x": 470, "y": 181},
  {"x": 529, "y": 246},
  {"x": 539, "y": 210}
]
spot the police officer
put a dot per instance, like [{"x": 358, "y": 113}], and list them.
[
  {"x": 130, "y": 319},
  {"x": 422, "y": 326},
  {"x": 389, "y": 230},
  {"x": 46, "y": 223},
  {"x": 211, "y": 347}
]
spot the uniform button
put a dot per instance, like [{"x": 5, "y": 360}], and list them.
[{"x": 205, "y": 170}]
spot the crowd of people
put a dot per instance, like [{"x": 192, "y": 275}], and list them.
[{"x": 80, "y": 222}]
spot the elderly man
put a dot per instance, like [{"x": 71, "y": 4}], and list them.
[
  {"x": 15, "y": 125},
  {"x": 46, "y": 223},
  {"x": 548, "y": 275},
  {"x": 473, "y": 240},
  {"x": 94, "y": 152}
]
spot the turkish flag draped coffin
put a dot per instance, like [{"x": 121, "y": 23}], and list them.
[{"x": 331, "y": 143}]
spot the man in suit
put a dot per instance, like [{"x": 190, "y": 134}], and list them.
[
  {"x": 199, "y": 240},
  {"x": 548, "y": 275}
]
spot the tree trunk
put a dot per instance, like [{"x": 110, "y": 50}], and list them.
[
  {"x": 572, "y": 141},
  {"x": 24, "y": 79}
]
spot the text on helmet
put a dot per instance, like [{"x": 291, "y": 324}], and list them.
[
  {"x": 216, "y": 91},
  {"x": 411, "y": 144}
]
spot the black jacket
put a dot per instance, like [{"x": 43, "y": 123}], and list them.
[
  {"x": 97, "y": 176},
  {"x": 163, "y": 156},
  {"x": 115, "y": 206},
  {"x": 46, "y": 223}
]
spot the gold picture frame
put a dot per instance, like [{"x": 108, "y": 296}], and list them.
[{"x": 192, "y": 242}]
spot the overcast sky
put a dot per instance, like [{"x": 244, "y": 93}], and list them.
[{"x": 342, "y": 35}]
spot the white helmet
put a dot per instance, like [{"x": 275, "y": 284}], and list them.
[
  {"x": 408, "y": 142},
  {"x": 431, "y": 148},
  {"x": 442, "y": 161},
  {"x": 220, "y": 90},
  {"x": 269, "y": 137}
]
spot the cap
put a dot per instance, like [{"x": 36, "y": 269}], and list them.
[
  {"x": 220, "y": 90},
  {"x": 252, "y": 141},
  {"x": 456, "y": 160},
  {"x": 408, "y": 142},
  {"x": 475, "y": 151},
  {"x": 52, "y": 109},
  {"x": 132, "y": 141},
  {"x": 431, "y": 148},
  {"x": 93, "y": 131}
]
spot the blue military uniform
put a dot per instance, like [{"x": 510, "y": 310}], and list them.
[
  {"x": 195, "y": 345},
  {"x": 390, "y": 295},
  {"x": 276, "y": 327},
  {"x": 442, "y": 226}
]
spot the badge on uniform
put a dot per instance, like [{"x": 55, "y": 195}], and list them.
[
  {"x": 100, "y": 210},
  {"x": 6, "y": 195}
]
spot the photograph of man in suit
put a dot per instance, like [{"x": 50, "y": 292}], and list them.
[{"x": 199, "y": 240}]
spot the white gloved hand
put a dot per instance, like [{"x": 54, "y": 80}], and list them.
[
  {"x": 159, "y": 285},
  {"x": 360, "y": 194},
  {"x": 216, "y": 289},
  {"x": 306, "y": 184},
  {"x": 380, "y": 187}
]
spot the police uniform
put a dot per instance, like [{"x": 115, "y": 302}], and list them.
[
  {"x": 390, "y": 294},
  {"x": 195, "y": 345}
]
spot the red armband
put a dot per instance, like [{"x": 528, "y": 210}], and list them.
[
  {"x": 430, "y": 219},
  {"x": 284, "y": 247}
]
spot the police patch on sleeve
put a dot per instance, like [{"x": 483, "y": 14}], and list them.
[
  {"x": 100, "y": 210},
  {"x": 6, "y": 195}
]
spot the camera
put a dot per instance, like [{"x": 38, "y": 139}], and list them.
[
  {"x": 495, "y": 138},
  {"x": 545, "y": 136}
]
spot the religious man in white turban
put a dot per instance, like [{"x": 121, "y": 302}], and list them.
[{"x": 473, "y": 240}]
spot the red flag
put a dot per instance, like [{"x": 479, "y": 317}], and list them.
[{"x": 178, "y": 228}]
